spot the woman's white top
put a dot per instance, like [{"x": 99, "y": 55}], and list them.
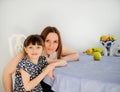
[{"x": 52, "y": 56}]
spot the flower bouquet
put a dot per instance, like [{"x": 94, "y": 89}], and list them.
[{"x": 107, "y": 41}]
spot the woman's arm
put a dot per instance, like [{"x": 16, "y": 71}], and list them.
[
  {"x": 60, "y": 63},
  {"x": 28, "y": 85},
  {"x": 9, "y": 70},
  {"x": 69, "y": 54}
]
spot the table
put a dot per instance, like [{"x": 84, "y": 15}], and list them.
[{"x": 87, "y": 75}]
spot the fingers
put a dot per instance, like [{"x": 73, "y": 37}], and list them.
[
  {"x": 50, "y": 75},
  {"x": 61, "y": 63}
]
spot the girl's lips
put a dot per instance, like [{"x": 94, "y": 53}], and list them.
[{"x": 34, "y": 54}]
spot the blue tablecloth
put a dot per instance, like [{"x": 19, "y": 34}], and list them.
[{"x": 87, "y": 75}]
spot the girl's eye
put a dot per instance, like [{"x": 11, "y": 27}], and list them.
[
  {"x": 30, "y": 47},
  {"x": 38, "y": 47}
]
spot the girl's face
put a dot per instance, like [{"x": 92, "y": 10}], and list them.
[
  {"x": 51, "y": 43},
  {"x": 34, "y": 51}
]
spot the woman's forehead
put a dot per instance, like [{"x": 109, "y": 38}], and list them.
[{"x": 52, "y": 36}]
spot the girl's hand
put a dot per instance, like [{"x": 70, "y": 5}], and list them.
[
  {"x": 51, "y": 67},
  {"x": 50, "y": 75}
]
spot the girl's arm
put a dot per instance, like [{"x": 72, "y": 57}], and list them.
[
  {"x": 69, "y": 54},
  {"x": 31, "y": 84},
  {"x": 9, "y": 70}
]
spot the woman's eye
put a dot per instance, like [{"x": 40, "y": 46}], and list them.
[
  {"x": 55, "y": 41},
  {"x": 47, "y": 41}
]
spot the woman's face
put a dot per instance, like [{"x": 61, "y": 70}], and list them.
[{"x": 51, "y": 43}]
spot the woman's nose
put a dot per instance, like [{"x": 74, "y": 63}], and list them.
[{"x": 51, "y": 44}]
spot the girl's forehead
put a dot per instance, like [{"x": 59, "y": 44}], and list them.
[{"x": 36, "y": 44}]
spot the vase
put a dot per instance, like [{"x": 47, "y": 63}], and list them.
[
  {"x": 107, "y": 47},
  {"x": 108, "y": 51}
]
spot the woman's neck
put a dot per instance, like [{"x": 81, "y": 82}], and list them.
[{"x": 52, "y": 56}]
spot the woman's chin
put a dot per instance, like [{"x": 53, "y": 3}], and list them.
[{"x": 50, "y": 52}]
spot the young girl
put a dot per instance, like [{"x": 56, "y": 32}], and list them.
[{"x": 29, "y": 71}]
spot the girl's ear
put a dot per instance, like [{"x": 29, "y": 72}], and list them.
[
  {"x": 43, "y": 51},
  {"x": 25, "y": 50}
]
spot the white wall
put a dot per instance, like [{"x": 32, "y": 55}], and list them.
[{"x": 81, "y": 22}]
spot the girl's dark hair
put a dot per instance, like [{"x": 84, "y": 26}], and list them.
[
  {"x": 48, "y": 30},
  {"x": 33, "y": 39}
]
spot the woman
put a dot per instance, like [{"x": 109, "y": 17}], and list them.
[{"x": 54, "y": 51}]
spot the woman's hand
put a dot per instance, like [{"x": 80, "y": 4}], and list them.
[
  {"x": 57, "y": 62},
  {"x": 61, "y": 63}
]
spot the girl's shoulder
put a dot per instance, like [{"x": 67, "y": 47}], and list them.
[
  {"x": 25, "y": 63},
  {"x": 42, "y": 62},
  {"x": 24, "y": 59},
  {"x": 42, "y": 59}
]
